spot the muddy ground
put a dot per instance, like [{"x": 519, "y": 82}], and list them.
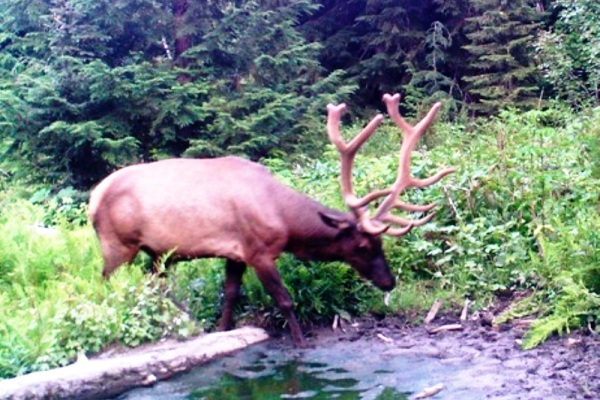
[
  {"x": 477, "y": 362},
  {"x": 561, "y": 368}
]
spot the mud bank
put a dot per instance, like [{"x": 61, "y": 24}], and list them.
[
  {"x": 490, "y": 357},
  {"x": 374, "y": 359}
]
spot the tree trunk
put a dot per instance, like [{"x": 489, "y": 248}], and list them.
[{"x": 182, "y": 40}]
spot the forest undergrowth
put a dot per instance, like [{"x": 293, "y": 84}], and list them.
[{"x": 521, "y": 214}]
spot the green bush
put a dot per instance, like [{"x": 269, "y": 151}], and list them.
[
  {"x": 319, "y": 290},
  {"x": 198, "y": 285}
]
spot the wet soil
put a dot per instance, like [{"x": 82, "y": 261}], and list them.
[
  {"x": 388, "y": 358},
  {"x": 491, "y": 357}
]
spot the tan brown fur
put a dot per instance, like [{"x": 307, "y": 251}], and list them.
[{"x": 226, "y": 207}]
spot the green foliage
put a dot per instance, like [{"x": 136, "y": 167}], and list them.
[
  {"x": 271, "y": 90},
  {"x": 89, "y": 86},
  {"x": 199, "y": 284},
  {"x": 53, "y": 304},
  {"x": 390, "y": 41},
  {"x": 574, "y": 292},
  {"x": 569, "y": 52},
  {"x": 430, "y": 85},
  {"x": 319, "y": 290},
  {"x": 522, "y": 178},
  {"x": 151, "y": 315},
  {"x": 520, "y": 214},
  {"x": 102, "y": 91},
  {"x": 66, "y": 206}
]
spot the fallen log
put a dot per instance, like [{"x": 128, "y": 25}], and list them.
[{"x": 108, "y": 377}]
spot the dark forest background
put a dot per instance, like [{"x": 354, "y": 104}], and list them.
[{"x": 87, "y": 86}]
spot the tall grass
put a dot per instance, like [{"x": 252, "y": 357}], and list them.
[{"x": 53, "y": 303}]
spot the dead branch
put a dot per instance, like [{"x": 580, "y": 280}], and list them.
[
  {"x": 449, "y": 327},
  {"x": 465, "y": 310},
  {"x": 433, "y": 311},
  {"x": 385, "y": 338},
  {"x": 428, "y": 392}
]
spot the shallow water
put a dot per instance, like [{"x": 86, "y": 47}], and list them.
[{"x": 341, "y": 370}]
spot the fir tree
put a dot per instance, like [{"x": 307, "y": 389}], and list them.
[
  {"x": 271, "y": 89},
  {"x": 502, "y": 71}
]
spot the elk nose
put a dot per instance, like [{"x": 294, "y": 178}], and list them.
[{"x": 386, "y": 284}]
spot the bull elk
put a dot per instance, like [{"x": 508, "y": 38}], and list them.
[{"x": 233, "y": 208}]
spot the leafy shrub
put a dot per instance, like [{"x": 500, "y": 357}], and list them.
[
  {"x": 319, "y": 290},
  {"x": 54, "y": 305},
  {"x": 571, "y": 266},
  {"x": 67, "y": 205},
  {"x": 150, "y": 315},
  {"x": 521, "y": 177},
  {"x": 198, "y": 285}
]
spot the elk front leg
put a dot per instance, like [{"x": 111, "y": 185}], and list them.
[
  {"x": 271, "y": 281},
  {"x": 234, "y": 272}
]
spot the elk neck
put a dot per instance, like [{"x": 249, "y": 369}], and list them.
[{"x": 309, "y": 237}]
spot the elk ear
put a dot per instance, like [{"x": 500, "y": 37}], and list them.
[{"x": 336, "y": 221}]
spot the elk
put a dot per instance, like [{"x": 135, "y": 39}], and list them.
[{"x": 235, "y": 209}]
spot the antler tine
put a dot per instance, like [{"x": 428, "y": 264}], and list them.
[
  {"x": 406, "y": 223},
  {"x": 347, "y": 153},
  {"x": 400, "y": 204},
  {"x": 412, "y": 134}
]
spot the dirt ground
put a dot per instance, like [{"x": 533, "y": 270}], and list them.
[{"x": 561, "y": 368}]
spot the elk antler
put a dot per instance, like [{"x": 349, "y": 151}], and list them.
[
  {"x": 347, "y": 153},
  {"x": 382, "y": 219}
]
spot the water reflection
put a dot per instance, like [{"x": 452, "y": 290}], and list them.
[
  {"x": 343, "y": 370},
  {"x": 293, "y": 380}
]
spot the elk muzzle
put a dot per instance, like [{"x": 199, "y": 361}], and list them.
[{"x": 381, "y": 275}]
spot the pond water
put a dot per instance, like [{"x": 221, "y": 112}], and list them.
[{"x": 340, "y": 370}]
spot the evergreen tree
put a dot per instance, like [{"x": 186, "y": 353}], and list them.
[
  {"x": 432, "y": 84},
  {"x": 502, "y": 71},
  {"x": 271, "y": 91},
  {"x": 82, "y": 120},
  {"x": 411, "y": 47},
  {"x": 105, "y": 84}
]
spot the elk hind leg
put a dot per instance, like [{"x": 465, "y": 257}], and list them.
[{"x": 116, "y": 255}]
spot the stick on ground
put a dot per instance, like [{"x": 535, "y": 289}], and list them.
[{"x": 433, "y": 311}]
